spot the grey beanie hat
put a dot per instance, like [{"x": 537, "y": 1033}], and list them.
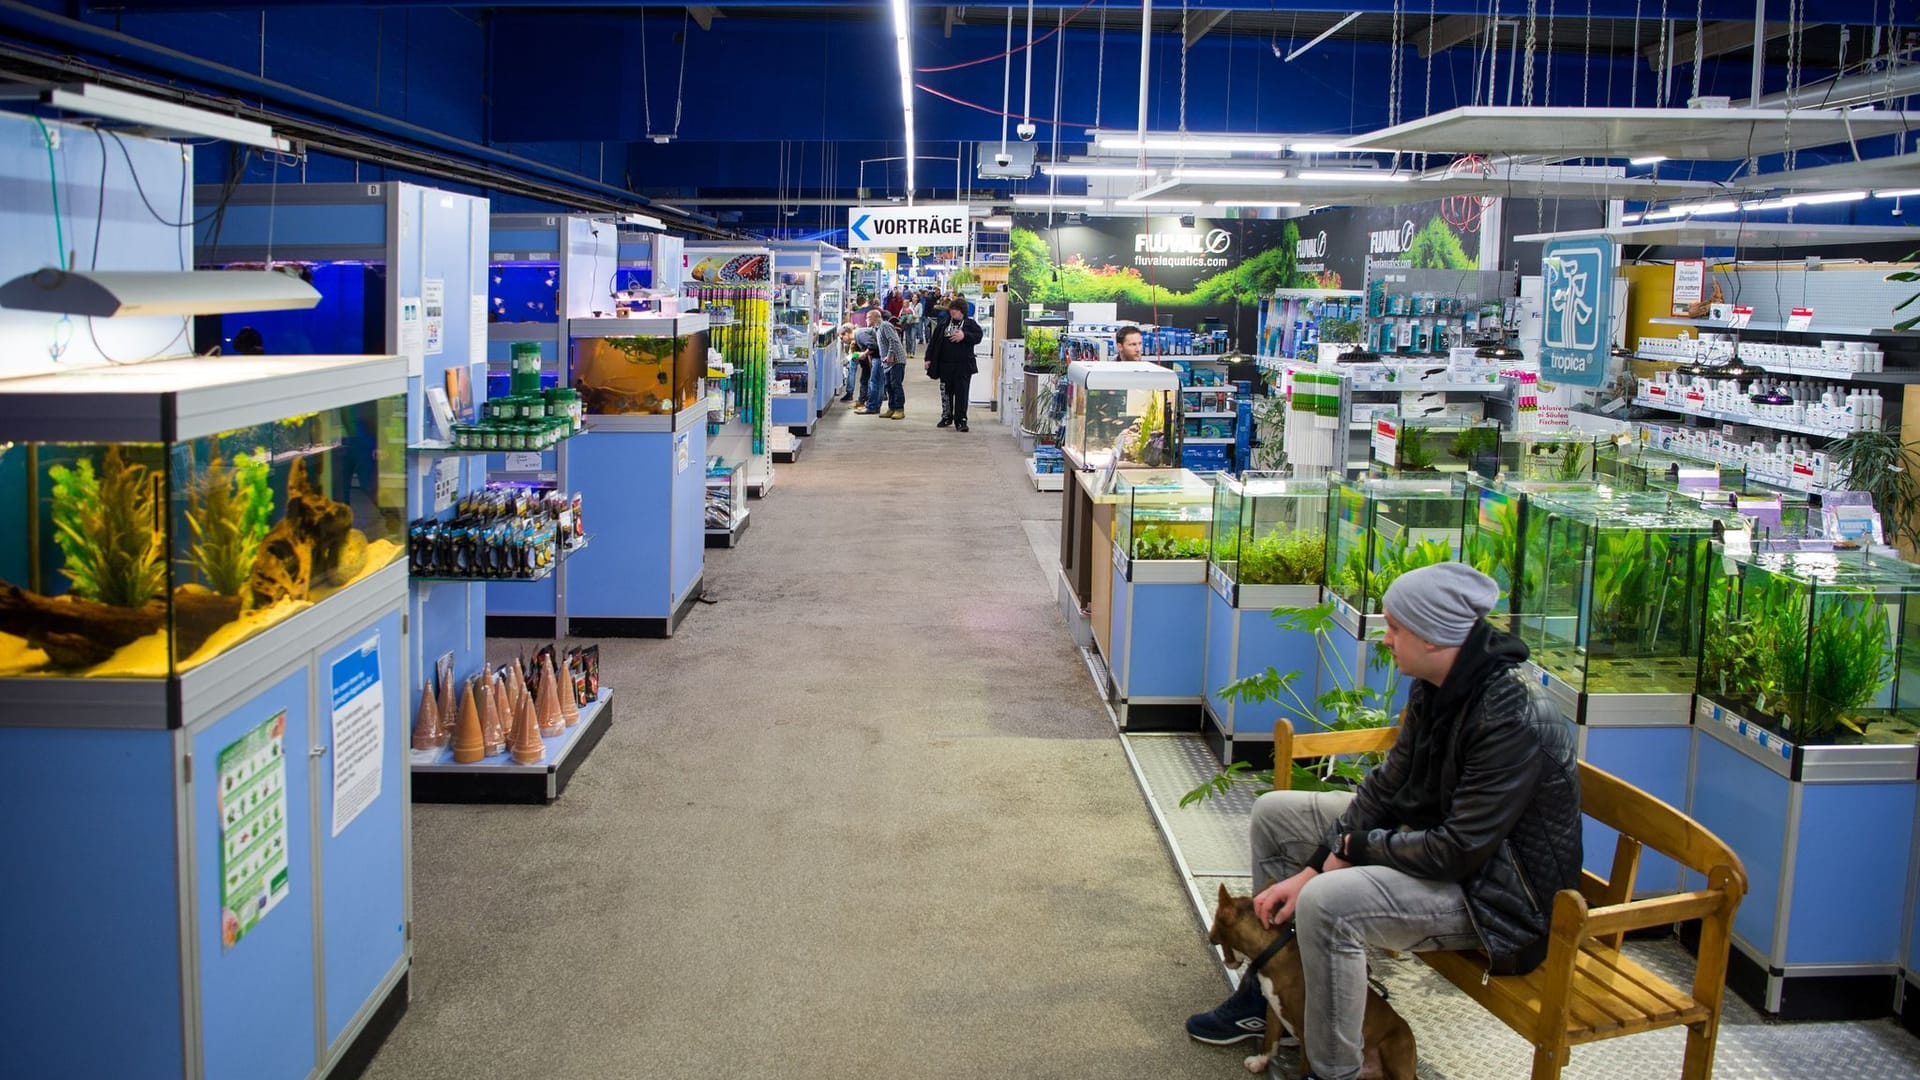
[{"x": 1440, "y": 603}]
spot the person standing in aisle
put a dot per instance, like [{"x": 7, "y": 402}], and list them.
[
  {"x": 889, "y": 370},
  {"x": 1127, "y": 343},
  {"x": 950, "y": 359},
  {"x": 852, "y": 359},
  {"x": 896, "y": 303}
]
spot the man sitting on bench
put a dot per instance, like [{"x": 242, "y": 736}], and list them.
[{"x": 1458, "y": 840}]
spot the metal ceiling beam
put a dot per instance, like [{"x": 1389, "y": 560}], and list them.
[
  {"x": 1198, "y": 28},
  {"x": 703, "y": 16},
  {"x": 953, "y": 15},
  {"x": 1450, "y": 31},
  {"x": 1718, "y": 39}
]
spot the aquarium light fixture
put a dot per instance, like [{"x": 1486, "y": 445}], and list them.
[
  {"x": 1498, "y": 352},
  {"x": 1358, "y": 176},
  {"x": 1216, "y": 144},
  {"x": 109, "y": 293},
  {"x": 1322, "y": 148},
  {"x": 1204, "y": 174},
  {"x": 162, "y": 118},
  {"x": 1255, "y": 204},
  {"x": 903, "y": 45},
  {"x": 1650, "y": 159},
  {"x": 1077, "y": 169},
  {"x": 643, "y": 221}
]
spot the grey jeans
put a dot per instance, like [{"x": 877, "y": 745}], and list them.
[{"x": 1340, "y": 913}]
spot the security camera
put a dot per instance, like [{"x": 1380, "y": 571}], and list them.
[
  {"x": 1027, "y": 131},
  {"x": 1003, "y": 159}
]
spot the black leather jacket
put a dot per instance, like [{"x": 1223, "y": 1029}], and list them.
[{"x": 1482, "y": 787}]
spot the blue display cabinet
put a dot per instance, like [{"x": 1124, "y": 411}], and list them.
[
  {"x": 1609, "y": 600},
  {"x": 204, "y": 675},
  {"x": 806, "y": 317},
  {"x": 1158, "y": 610},
  {"x": 1268, "y": 551},
  {"x": 1805, "y": 763}
]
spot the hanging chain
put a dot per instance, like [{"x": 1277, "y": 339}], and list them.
[
  {"x": 1393, "y": 69},
  {"x": 1699, "y": 44},
  {"x": 1586, "y": 60},
  {"x": 1796, "y": 16},
  {"x": 680, "y": 88},
  {"x": 1432, "y": 13},
  {"x": 1526, "y": 77},
  {"x": 1546, "y": 95},
  {"x": 1633, "y": 92},
  {"x": 1099, "y": 66},
  {"x": 646, "y": 96},
  {"x": 1666, "y": 55},
  {"x": 1183, "y": 67}
]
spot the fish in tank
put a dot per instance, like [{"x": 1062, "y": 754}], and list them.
[
  {"x": 350, "y": 319},
  {"x": 523, "y": 292},
  {"x": 144, "y": 560}
]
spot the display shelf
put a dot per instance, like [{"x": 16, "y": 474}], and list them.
[
  {"x": 1203, "y": 441},
  {"x": 1772, "y": 370},
  {"x": 792, "y": 452},
  {"x": 1427, "y": 387},
  {"x": 1750, "y": 421},
  {"x": 1851, "y": 331},
  {"x": 730, "y": 537},
  {"x": 499, "y": 779},
  {"x": 1209, "y": 415},
  {"x": 1045, "y": 481}
]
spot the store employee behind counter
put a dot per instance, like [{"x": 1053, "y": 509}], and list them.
[
  {"x": 950, "y": 359},
  {"x": 1453, "y": 842}
]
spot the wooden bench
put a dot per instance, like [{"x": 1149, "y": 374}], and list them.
[{"x": 1588, "y": 990}]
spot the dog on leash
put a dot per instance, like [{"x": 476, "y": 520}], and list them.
[{"x": 1275, "y": 960}]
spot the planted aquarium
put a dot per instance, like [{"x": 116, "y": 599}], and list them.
[
  {"x": 1118, "y": 410},
  {"x": 1378, "y": 529},
  {"x": 1496, "y": 514},
  {"x": 1405, "y": 445},
  {"x": 1819, "y": 646},
  {"x": 1611, "y": 586},
  {"x": 1548, "y": 456},
  {"x": 1269, "y": 530},
  {"x": 641, "y": 375},
  {"x": 1162, "y": 513},
  {"x": 1641, "y": 468},
  {"x": 146, "y": 559}
]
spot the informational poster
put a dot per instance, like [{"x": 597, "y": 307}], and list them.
[
  {"x": 359, "y": 731},
  {"x": 682, "y": 451},
  {"x": 1689, "y": 283},
  {"x": 477, "y": 330},
  {"x": 446, "y": 483},
  {"x": 1386, "y": 441},
  {"x": 433, "y": 300},
  {"x": 412, "y": 335},
  {"x": 1577, "y": 280},
  {"x": 253, "y": 828}
]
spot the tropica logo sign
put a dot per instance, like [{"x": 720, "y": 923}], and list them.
[
  {"x": 1184, "y": 242},
  {"x": 1390, "y": 241},
  {"x": 1311, "y": 247}
]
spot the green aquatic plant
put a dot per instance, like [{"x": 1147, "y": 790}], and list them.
[
  {"x": 1352, "y": 704},
  {"x": 106, "y": 526},
  {"x": 1154, "y": 542},
  {"x": 1414, "y": 455},
  {"x": 1852, "y": 660},
  {"x": 227, "y": 513},
  {"x": 1284, "y": 558},
  {"x": 1474, "y": 442}
]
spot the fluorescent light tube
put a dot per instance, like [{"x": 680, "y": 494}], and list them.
[
  {"x": 998, "y": 221},
  {"x": 1651, "y": 159},
  {"x": 1322, "y": 148},
  {"x": 1358, "y": 176},
  {"x": 903, "y": 45},
  {"x": 1897, "y": 193},
  {"x": 1825, "y": 197},
  {"x": 1076, "y": 169},
  {"x": 1159, "y": 204},
  {"x": 162, "y": 117},
  {"x": 1057, "y": 200},
  {"x": 1228, "y": 204},
  {"x": 111, "y": 293},
  {"x": 1229, "y": 174},
  {"x": 1222, "y": 143}
]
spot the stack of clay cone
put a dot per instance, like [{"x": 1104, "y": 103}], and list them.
[
  {"x": 493, "y": 717},
  {"x": 551, "y": 722},
  {"x": 569, "y": 708},
  {"x": 449, "y": 709},
  {"x": 430, "y": 728},
  {"x": 528, "y": 747},
  {"x": 469, "y": 744}
]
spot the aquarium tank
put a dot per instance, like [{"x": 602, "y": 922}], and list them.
[
  {"x": 524, "y": 292},
  {"x": 350, "y": 319},
  {"x": 1549, "y": 456},
  {"x": 1119, "y": 410},
  {"x": 1378, "y": 529},
  {"x": 145, "y": 560},
  {"x": 1269, "y": 529},
  {"x": 1644, "y": 469},
  {"x": 622, "y": 376},
  {"x": 1611, "y": 588},
  {"x": 1436, "y": 446},
  {"x": 1162, "y": 513},
  {"x": 1821, "y": 647}
]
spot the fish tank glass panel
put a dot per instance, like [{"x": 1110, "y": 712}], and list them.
[
  {"x": 1378, "y": 529},
  {"x": 626, "y": 376},
  {"x": 521, "y": 292},
  {"x": 1162, "y": 513},
  {"x": 1269, "y": 529},
  {"x": 146, "y": 560},
  {"x": 1422, "y": 447},
  {"x": 1127, "y": 423},
  {"x": 1548, "y": 457},
  {"x": 1823, "y": 647},
  {"x": 1642, "y": 469},
  {"x": 349, "y": 320}
]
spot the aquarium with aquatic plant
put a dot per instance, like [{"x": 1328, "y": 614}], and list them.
[
  {"x": 1119, "y": 409},
  {"x": 1558, "y": 456},
  {"x": 1610, "y": 590},
  {"x": 1641, "y": 468},
  {"x": 641, "y": 375},
  {"x": 1423, "y": 446},
  {"x": 1162, "y": 514},
  {"x": 1821, "y": 647},
  {"x": 147, "y": 559},
  {"x": 1378, "y": 529},
  {"x": 1269, "y": 529}
]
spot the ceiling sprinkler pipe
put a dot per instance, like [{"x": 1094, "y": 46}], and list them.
[{"x": 1864, "y": 89}]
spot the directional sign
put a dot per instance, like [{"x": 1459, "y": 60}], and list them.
[{"x": 907, "y": 226}]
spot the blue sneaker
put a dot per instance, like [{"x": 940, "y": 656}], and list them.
[{"x": 1240, "y": 1017}]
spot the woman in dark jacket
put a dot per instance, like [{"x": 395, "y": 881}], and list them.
[{"x": 950, "y": 359}]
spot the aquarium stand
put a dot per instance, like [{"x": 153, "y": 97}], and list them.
[
  {"x": 1158, "y": 635},
  {"x": 730, "y": 537},
  {"x": 502, "y": 780},
  {"x": 792, "y": 452},
  {"x": 640, "y": 627}
]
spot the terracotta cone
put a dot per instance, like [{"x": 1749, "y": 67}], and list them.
[
  {"x": 528, "y": 747},
  {"x": 496, "y": 719},
  {"x": 569, "y": 708},
  {"x": 449, "y": 709},
  {"x": 551, "y": 722},
  {"x": 429, "y": 729},
  {"x": 469, "y": 745}
]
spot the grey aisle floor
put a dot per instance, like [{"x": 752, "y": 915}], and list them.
[{"x": 864, "y": 816}]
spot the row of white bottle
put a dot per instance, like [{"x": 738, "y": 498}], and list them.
[{"x": 1832, "y": 407}]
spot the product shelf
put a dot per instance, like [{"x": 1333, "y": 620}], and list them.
[
  {"x": 1850, "y": 331},
  {"x": 1750, "y": 421},
  {"x": 730, "y": 536},
  {"x": 500, "y": 779},
  {"x": 1209, "y": 415},
  {"x": 1867, "y": 378}
]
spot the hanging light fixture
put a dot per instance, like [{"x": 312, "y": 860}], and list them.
[
  {"x": 1361, "y": 356},
  {"x": 1736, "y": 368},
  {"x": 1498, "y": 351}
]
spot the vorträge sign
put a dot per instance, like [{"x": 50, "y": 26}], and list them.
[{"x": 907, "y": 226}]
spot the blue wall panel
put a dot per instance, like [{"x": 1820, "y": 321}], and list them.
[
  {"x": 1222, "y": 655},
  {"x": 1655, "y": 761},
  {"x": 1169, "y": 641},
  {"x": 1265, "y": 643},
  {"x": 257, "y": 999},
  {"x": 97, "y": 893},
  {"x": 1849, "y": 886},
  {"x": 625, "y": 479},
  {"x": 1745, "y": 804},
  {"x": 690, "y": 512}
]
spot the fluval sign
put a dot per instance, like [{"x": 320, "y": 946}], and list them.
[
  {"x": 943, "y": 225},
  {"x": 1391, "y": 241}
]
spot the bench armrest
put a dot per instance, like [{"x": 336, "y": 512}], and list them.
[{"x": 1658, "y": 911}]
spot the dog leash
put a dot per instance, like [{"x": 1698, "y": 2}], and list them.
[{"x": 1286, "y": 937}]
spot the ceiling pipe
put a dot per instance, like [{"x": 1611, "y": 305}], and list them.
[
  {"x": 1146, "y": 57},
  {"x": 1865, "y": 89}
]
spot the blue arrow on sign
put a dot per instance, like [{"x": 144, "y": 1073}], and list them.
[{"x": 857, "y": 223}]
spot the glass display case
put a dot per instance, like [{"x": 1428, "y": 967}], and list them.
[
  {"x": 1495, "y": 519},
  {"x": 157, "y": 515},
  {"x": 1378, "y": 529},
  {"x": 626, "y": 374},
  {"x": 1162, "y": 514},
  {"x": 1640, "y": 468},
  {"x": 1822, "y": 647},
  {"x": 524, "y": 292},
  {"x": 1548, "y": 456},
  {"x": 1269, "y": 530},
  {"x": 1117, "y": 410},
  {"x": 1610, "y": 590},
  {"x": 1404, "y": 446}
]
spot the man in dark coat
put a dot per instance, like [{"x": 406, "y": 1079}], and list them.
[
  {"x": 950, "y": 359},
  {"x": 1458, "y": 840}
]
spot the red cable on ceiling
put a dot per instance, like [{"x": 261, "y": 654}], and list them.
[
  {"x": 996, "y": 112},
  {"x": 1010, "y": 52}
]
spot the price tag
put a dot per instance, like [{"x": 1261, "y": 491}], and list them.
[
  {"x": 1741, "y": 316},
  {"x": 1799, "y": 318},
  {"x": 523, "y": 462}
]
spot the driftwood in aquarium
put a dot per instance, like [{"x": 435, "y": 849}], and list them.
[
  {"x": 305, "y": 544},
  {"x": 78, "y": 633}
]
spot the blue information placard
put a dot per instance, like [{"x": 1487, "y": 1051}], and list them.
[{"x": 1578, "y": 285}]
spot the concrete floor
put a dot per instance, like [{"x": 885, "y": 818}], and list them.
[{"x": 865, "y": 816}]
